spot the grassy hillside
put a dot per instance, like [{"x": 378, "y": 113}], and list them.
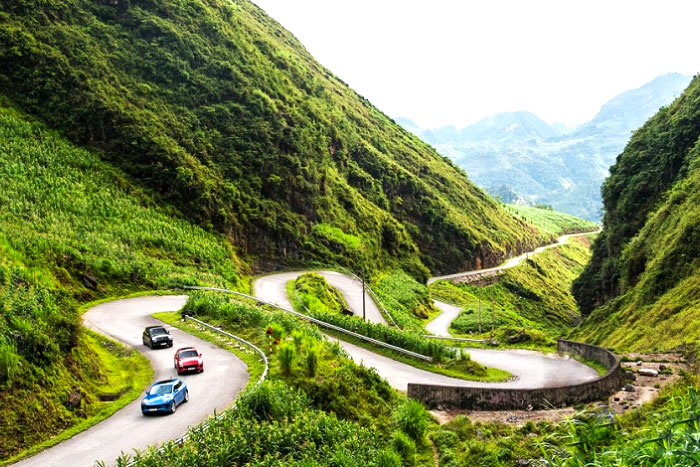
[
  {"x": 550, "y": 221},
  {"x": 645, "y": 267},
  {"x": 532, "y": 302},
  {"x": 73, "y": 229},
  {"x": 226, "y": 116},
  {"x": 657, "y": 156}
]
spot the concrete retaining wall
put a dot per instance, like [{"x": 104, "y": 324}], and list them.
[{"x": 457, "y": 397}]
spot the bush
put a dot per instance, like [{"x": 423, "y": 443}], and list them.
[
  {"x": 405, "y": 447},
  {"x": 412, "y": 419},
  {"x": 388, "y": 458},
  {"x": 272, "y": 400},
  {"x": 312, "y": 354},
  {"x": 9, "y": 363},
  {"x": 287, "y": 354}
]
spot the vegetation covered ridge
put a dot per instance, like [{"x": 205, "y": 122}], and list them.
[
  {"x": 74, "y": 229},
  {"x": 225, "y": 115},
  {"x": 642, "y": 286},
  {"x": 530, "y": 305}
]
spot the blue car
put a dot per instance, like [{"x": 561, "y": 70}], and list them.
[{"x": 165, "y": 396}]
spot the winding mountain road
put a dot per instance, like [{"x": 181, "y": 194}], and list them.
[
  {"x": 273, "y": 288},
  {"x": 510, "y": 263},
  {"x": 530, "y": 369},
  {"x": 440, "y": 325},
  {"x": 214, "y": 390}
]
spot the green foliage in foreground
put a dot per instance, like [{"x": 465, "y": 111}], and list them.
[
  {"x": 550, "y": 221},
  {"x": 663, "y": 433},
  {"x": 273, "y": 425},
  {"x": 642, "y": 286},
  {"x": 532, "y": 301},
  {"x": 339, "y": 414},
  {"x": 408, "y": 300},
  {"x": 35, "y": 406},
  {"x": 223, "y": 113}
]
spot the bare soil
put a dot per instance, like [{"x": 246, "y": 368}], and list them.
[{"x": 645, "y": 389}]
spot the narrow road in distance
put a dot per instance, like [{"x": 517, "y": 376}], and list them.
[{"x": 440, "y": 325}]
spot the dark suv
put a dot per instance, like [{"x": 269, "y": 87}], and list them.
[{"x": 157, "y": 336}]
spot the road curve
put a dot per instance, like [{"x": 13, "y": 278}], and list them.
[
  {"x": 530, "y": 369},
  {"x": 512, "y": 262},
  {"x": 214, "y": 390},
  {"x": 273, "y": 288},
  {"x": 440, "y": 325}
]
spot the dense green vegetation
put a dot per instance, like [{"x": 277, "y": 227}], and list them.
[
  {"x": 643, "y": 276},
  {"x": 61, "y": 399},
  {"x": 225, "y": 115},
  {"x": 318, "y": 408},
  {"x": 550, "y": 221},
  {"x": 73, "y": 229},
  {"x": 318, "y": 296},
  {"x": 532, "y": 302},
  {"x": 663, "y": 433},
  {"x": 408, "y": 300}
]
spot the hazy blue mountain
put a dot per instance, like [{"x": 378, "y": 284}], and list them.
[
  {"x": 548, "y": 163},
  {"x": 507, "y": 195}
]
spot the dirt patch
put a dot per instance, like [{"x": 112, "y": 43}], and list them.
[{"x": 640, "y": 390}]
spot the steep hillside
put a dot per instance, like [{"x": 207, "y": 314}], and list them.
[
  {"x": 218, "y": 109},
  {"x": 547, "y": 166},
  {"x": 532, "y": 302},
  {"x": 73, "y": 229},
  {"x": 643, "y": 276}
]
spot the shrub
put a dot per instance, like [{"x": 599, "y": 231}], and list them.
[
  {"x": 313, "y": 351},
  {"x": 272, "y": 400},
  {"x": 388, "y": 458},
  {"x": 287, "y": 354},
  {"x": 405, "y": 447},
  {"x": 9, "y": 363},
  {"x": 412, "y": 419}
]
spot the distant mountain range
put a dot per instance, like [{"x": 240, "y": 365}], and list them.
[{"x": 521, "y": 154}]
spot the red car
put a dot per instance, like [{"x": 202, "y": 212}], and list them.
[{"x": 188, "y": 359}]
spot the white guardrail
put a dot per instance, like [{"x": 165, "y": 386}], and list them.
[
  {"x": 204, "y": 426},
  {"x": 317, "y": 322}
]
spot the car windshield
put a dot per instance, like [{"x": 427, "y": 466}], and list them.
[
  {"x": 161, "y": 389},
  {"x": 158, "y": 331},
  {"x": 188, "y": 354}
]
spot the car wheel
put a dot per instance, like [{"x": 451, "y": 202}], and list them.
[
  {"x": 170, "y": 344},
  {"x": 173, "y": 407},
  {"x": 187, "y": 396}
]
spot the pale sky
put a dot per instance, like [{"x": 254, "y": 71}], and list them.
[{"x": 443, "y": 62}]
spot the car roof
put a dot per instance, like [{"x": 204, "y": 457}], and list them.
[
  {"x": 154, "y": 327},
  {"x": 185, "y": 348},
  {"x": 166, "y": 381}
]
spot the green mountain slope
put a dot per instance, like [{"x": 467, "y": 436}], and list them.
[
  {"x": 72, "y": 229},
  {"x": 643, "y": 277},
  {"x": 226, "y": 116}
]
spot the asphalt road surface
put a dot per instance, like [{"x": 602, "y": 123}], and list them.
[
  {"x": 273, "y": 289},
  {"x": 530, "y": 369},
  {"x": 512, "y": 262},
  {"x": 214, "y": 390}
]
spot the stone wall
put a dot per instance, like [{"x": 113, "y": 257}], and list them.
[{"x": 457, "y": 397}]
